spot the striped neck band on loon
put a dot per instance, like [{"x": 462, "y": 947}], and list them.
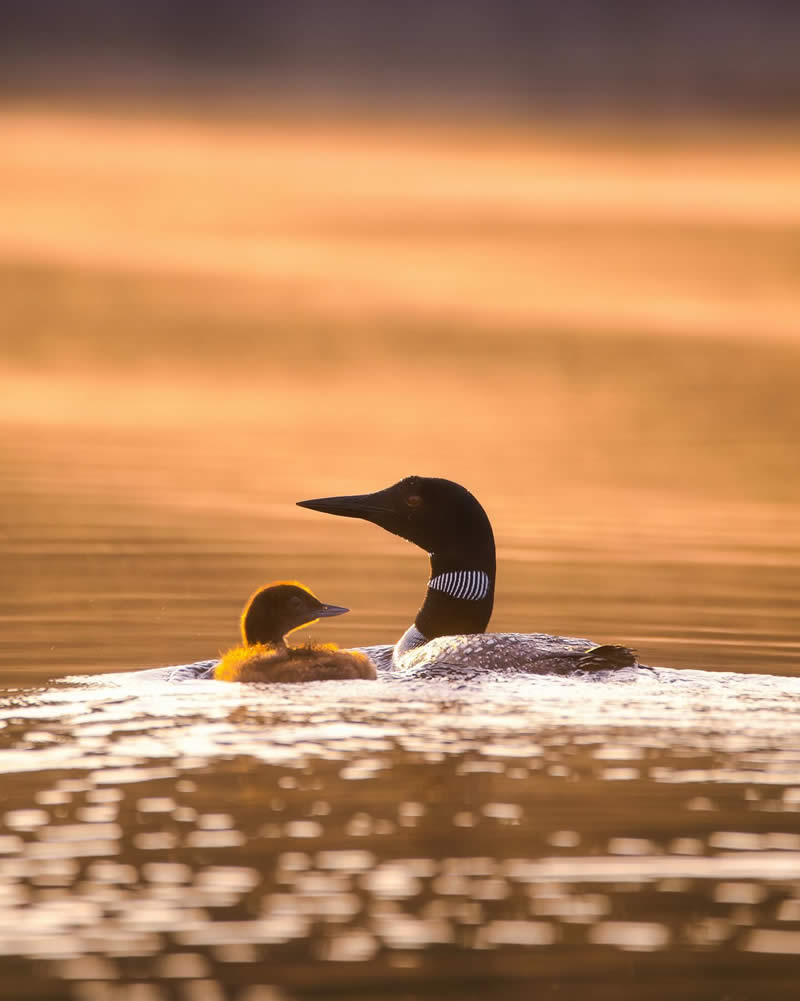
[
  {"x": 469, "y": 585},
  {"x": 445, "y": 520}
]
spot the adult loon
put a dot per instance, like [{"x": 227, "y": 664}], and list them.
[
  {"x": 271, "y": 614},
  {"x": 445, "y": 520}
]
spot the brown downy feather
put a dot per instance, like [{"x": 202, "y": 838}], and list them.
[{"x": 293, "y": 665}]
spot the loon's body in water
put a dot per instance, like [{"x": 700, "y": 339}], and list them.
[
  {"x": 271, "y": 614},
  {"x": 449, "y": 630}
]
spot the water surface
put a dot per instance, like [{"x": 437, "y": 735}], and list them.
[{"x": 600, "y": 340}]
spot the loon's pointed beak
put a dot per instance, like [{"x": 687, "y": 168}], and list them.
[
  {"x": 327, "y": 611},
  {"x": 366, "y": 506}
]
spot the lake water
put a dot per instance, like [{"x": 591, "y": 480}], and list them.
[{"x": 193, "y": 349}]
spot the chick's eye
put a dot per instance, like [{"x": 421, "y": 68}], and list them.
[
  {"x": 295, "y": 602},
  {"x": 414, "y": 500}
]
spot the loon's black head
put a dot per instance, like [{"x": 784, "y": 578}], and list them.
[
  {"x": 439, "y": 516},
  {"x": 445, "y": 520},
  {"x": 281, "y": 608}
]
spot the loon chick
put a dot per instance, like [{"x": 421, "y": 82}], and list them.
[
  {"x": 271, "y": 614},
  {"x": 445, "y": 520}
]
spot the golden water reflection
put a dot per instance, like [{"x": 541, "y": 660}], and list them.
[
  {"x": 355, "y": 850},
  {"x": 205, "y": 321}
]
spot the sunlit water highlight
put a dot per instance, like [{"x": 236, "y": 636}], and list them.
[{"x": 410, "y": 830}]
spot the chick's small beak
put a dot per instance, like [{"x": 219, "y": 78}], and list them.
[{"x": 326, "y": 611}]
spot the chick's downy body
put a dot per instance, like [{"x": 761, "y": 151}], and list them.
[{"x": 271, "y": 614}]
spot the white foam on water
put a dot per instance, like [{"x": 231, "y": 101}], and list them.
[{"x": 122, "y": 720}]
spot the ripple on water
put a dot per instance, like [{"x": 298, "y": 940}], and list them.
[{"x": 393, "y": 836}]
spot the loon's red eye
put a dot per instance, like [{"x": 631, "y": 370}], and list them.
[{"x": 414, "y": 500}]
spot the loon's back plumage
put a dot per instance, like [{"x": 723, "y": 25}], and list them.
[{"x": 508, "y": 653}]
